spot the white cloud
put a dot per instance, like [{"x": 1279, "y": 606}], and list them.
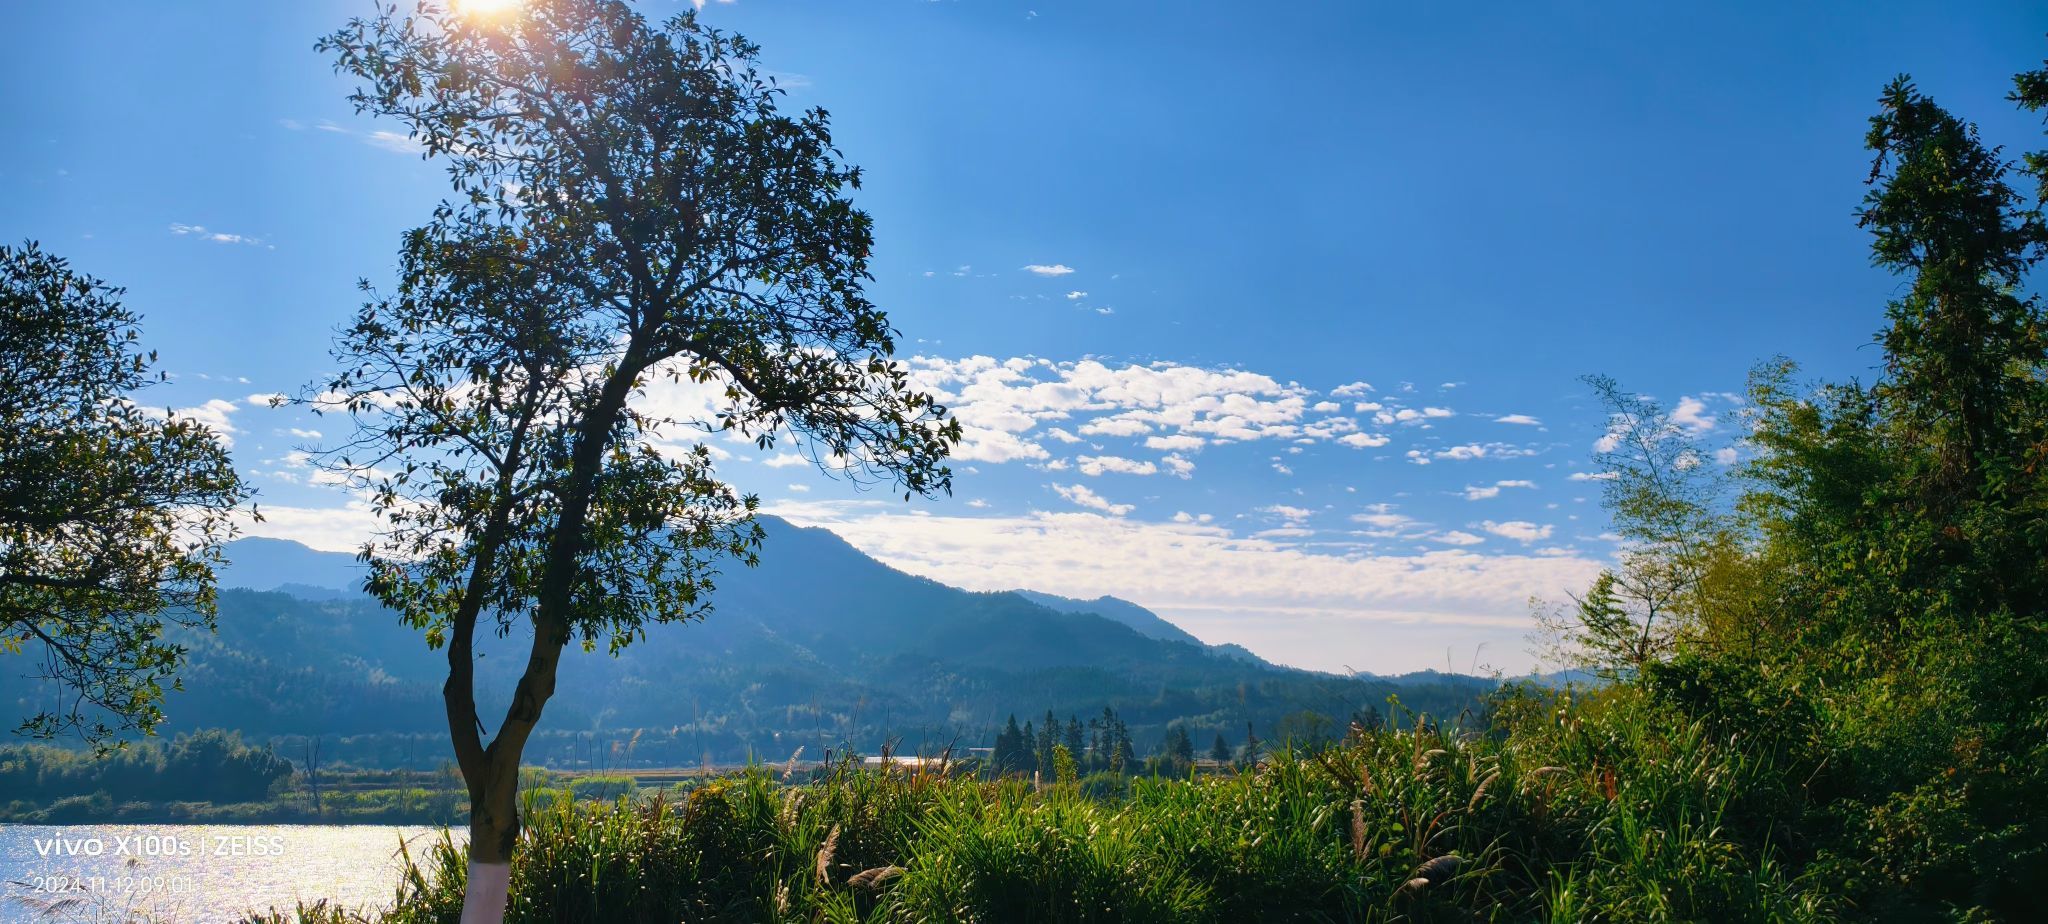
[
  {"x": 783, "y": 460},
  {"x": 1363, "y": 440},
  {"x": 329, "y": 529},
  {"x": 214, "y": 414},
  {"x": 394, "y": 142},
  {"x": 218, "y": 237},
  {"x": 1469, "y": 451},
  {"x": 1691, "y": 414},
  {"x": 1096, "y": 465},
  {"x": 305, "y": 434},
  {"x": 1521, "y": 531},
  {"x": 1178, "y": 441},
  {"x": 1053, "y": 269},
  {"x": 1002, "y": 403},
  {"x": 266, "y": 399},
  {"x": 1352, "y": 390},
  {"x": 1383, "y": 518},
  {"x": 1076, "y": 294},
  {"x": 1592, "y": 476},
  {"x": 1523, "y": 419},
  {"x": 1457, "y": 537},
  {"x": 1727, "y": 455},
  {"x": 1178, "y": 465},
  {"x": 1283, "y": 599},
  {"x": 1493, "y": 490},
  {"x": 1116, "y": 426},
  {"x": 1080, "y": 496},
  {"x": 1292, "y": 516}
]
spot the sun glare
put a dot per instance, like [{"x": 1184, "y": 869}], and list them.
[{"x": 486, "y": 7}]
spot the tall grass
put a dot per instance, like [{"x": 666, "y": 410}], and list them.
[{"x": 1578, "y": 814}]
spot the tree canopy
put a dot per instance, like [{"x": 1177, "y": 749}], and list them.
[
  {"x": 634, "y": 219},
  {"x": 111, "y": 513}
]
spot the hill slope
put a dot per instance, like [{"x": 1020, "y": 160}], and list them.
[{"x": 818, "y": 646}]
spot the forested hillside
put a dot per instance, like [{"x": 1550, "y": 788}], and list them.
[{"x": 819, "y": 647}]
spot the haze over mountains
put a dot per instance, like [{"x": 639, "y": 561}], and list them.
[{"x": 819, "y": 646}]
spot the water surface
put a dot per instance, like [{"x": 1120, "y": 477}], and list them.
[{"x": 195, "y": 874}]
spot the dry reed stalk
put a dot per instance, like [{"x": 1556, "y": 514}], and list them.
[{"x": 825, "y": 852}]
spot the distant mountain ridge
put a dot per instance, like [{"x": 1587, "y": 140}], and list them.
[
  {"x": 262, "y": 563},
  {"x": 820, "y": 646},
  {"x": 1143, "y": 621}
]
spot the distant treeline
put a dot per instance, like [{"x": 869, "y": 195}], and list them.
[
  {"x": 205, "y": 766},
  {"x": 1103, "y": 743}
]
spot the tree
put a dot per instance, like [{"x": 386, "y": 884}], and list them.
[
  {"x": 630, "y": 207},
  {"x": 1220, "y": 751},
  {"x": 1007, "y": 755},
  {"x": 1048, "y": 738},
  {"x": 1663, "y": 496},
  {"x": 1179, "y": 749},
  {"x": 1963, "y": 352},
  {"x": 112, "y": 515},
  {"x": 1895, "y": 567}
]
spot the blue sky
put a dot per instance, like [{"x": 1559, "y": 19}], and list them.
[{"x": 1268, "y": 317}]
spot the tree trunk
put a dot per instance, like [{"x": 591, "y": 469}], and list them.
[
  {"x": 493, "y": 831},
  {"x": 494, "y": 786}
]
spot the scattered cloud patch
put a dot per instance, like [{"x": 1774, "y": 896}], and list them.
[
  {"x": 217, "y": 237},
  {"x": 1292, "y": 516},
  {"x": 1483, "y": 492},
  {"x": 394, "y": 142},
  {"x": 1176, "y": 442},
  {"x": 1521, "y": 531},
  {"x": 1093, "y": 466},
  {"x": 1080, "y": 496},
  {"x": 1691, "y": 414},
  {"x": 1049, "y": 269}
]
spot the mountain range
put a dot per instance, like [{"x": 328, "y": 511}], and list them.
[{"x": 819, "y": 646}]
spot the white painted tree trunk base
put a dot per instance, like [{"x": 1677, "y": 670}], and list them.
[{"x": 483, "y": 902}]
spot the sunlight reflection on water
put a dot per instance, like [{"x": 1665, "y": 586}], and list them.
[{"x": 196, "y": 874}]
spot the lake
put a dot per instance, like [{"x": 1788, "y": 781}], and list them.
[{"x": 195, "y": 874}]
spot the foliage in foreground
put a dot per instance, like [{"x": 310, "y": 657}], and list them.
[
  {"x": 1610, "y": 809},
  {"x": 112, "y": 514}
]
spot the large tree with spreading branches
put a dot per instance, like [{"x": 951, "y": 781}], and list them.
[{"x": 632, "y": 212}]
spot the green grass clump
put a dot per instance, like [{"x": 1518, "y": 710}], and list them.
[{"x": 1611, "y": 810}]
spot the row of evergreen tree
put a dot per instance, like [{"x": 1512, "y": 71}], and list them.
[{"x": 1103, "y": 744}]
